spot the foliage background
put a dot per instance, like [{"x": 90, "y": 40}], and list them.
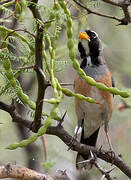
[{"x": 116, "y": 42}]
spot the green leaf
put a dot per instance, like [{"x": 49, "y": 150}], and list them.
[{"x": 48, "y": 165}]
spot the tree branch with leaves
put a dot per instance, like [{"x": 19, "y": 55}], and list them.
[{"x": 45, "y": 59}]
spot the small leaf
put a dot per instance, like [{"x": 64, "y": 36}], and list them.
[{"x": 48, "y": 165}]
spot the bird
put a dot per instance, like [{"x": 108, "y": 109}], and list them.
[{"x": 92, "y": 116}]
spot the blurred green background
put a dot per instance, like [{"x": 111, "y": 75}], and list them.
[{"x": 117, "y": 51}]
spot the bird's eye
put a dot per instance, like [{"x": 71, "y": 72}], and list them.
[{"x": 94, "y": 35}]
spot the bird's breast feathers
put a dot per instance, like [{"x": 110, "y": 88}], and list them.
[{"x": 94, "y": 115}]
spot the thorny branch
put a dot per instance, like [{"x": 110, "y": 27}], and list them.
[
  {"x": 93, "y": 162},
  {"x": 66, "y": 138},
  {"x": 124, "y": 5},
  {"x": 105, "y": 173}
]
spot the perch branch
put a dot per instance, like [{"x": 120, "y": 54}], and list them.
[{"x": 66, "y": 138}]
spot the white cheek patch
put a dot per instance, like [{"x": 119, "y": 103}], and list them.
[{"x": 89, "y": 63}]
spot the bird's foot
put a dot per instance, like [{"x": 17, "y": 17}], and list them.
[
  {"x": 108, "y": 139},
  {"x": 112, "y": 155}
]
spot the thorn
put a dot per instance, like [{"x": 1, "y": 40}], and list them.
[
  {"x": 120, "y": 155},
  {"x": 109, "y": 171},
  {"x": 90, "y": 161},
  {"x": 62, "y": 119}
]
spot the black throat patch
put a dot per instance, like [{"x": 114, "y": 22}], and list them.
[{"x": 81, "y": 50}]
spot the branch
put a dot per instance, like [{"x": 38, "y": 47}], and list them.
[
  {"x": 42, "y": 82},
  {"x": 94, "y": 12},
  {"x": 84, "y": 149},
  {"x": 93, "y": 162},
  {"x": 127, "y": 19},
  {"x": 66, "y": 138},
  {"x": 20, "y": 172},
  {"x": 105, "y": 173},
  {"x": 7, "y": 17},
  {"x": 25, "y": 31},
  {"x": 123, "y": 21},
  {"x": 125, "y": 7},
  {"x": 112, "y": 2}
]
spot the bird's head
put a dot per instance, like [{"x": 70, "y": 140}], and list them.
[{"x": 89, "y": 43}]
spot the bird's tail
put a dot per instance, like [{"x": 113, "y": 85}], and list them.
[{"x": 90, "y": 141}]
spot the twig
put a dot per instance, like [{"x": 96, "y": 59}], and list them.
[
  {"x": 7, "y": 17},
  {"x": 49, "y": 21},
  {"x": 112, "y": 2},
  {"x": 104, "y": 172},
  {"x": 10, "y": 33},
  {"x": 24, "y": 30},
  {"x": 124, "y": 6},
  {"x": 66, "y": 138},
  {"x": 23, "y": 68},
  {"x": 96, "y": 13}
]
